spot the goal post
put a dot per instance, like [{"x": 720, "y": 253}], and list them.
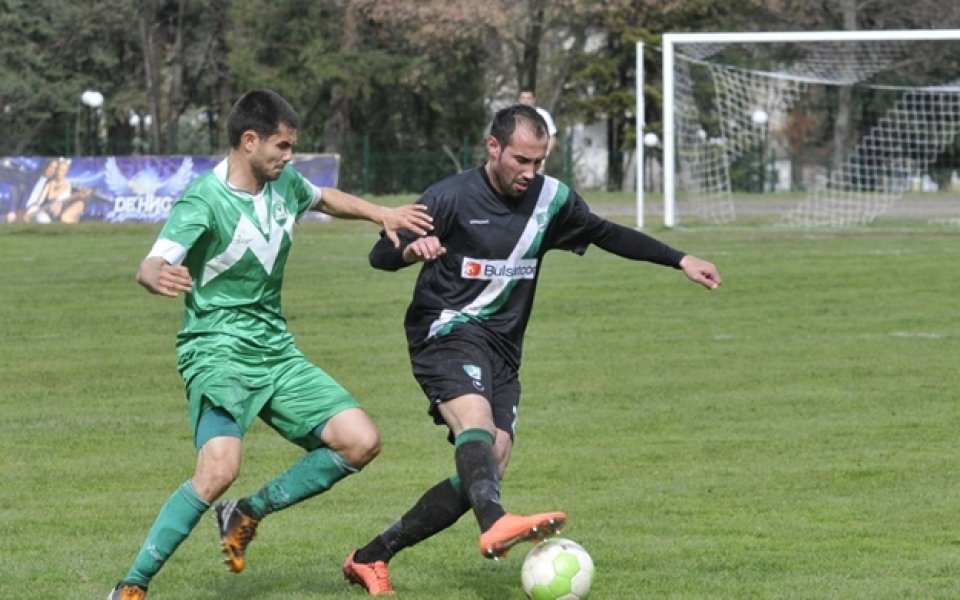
[{"x": 859, "y": 117}]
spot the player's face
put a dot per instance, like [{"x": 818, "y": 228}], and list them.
[
  {"x": 511, "y": 168},
  {"x": 272, "y": 154}
]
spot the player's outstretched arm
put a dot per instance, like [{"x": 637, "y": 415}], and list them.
[
  {"x": 161, "y": 278},
  {"x": 410, "y": 217},
  {"x": 701, "y": 271}
]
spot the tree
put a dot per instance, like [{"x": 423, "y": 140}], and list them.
[
  {"x": 604, "y": 79},
  {"x": 400, "y": 75},
  {"x": 43, "y": 71},
  {"x": 53, "y": 50},
  {"x": 184, "y": 46}
]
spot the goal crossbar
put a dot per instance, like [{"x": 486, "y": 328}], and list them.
[{"x": 669, "y": 42}]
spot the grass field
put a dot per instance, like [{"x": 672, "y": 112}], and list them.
[{"x": 792, "y": 435}]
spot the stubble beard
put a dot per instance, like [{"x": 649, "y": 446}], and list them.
[{"x": 507, "y": 189}]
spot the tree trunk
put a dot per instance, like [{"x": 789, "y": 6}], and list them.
[
  {"x": 337, "y": 125},
  {"x": 841, "y": 128},
  {"x": 151, "y": 73},
  {"x": 177, "y": 68},
  {"x": 222, "y": 100},
  {"x": 529, "y": 55}
]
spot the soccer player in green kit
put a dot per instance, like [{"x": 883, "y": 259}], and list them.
[{"x": 225, "y": 245}]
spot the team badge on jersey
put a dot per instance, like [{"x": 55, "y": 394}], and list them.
[
  {"x": 280, "y": 213},
  {"x": 543, "y": 218}
]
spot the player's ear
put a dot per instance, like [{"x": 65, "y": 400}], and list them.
[
  {"x": 248, "y": 138},
  {"x": 493, "y": 147}
]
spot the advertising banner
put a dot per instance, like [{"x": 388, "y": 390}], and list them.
[{"x": 116, "y": 189}]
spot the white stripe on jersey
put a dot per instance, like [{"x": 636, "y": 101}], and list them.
[
  {"x": 497, "y": 285},
  {"x": 168, "y": 250},
  {"x": 247, "y": 236}
]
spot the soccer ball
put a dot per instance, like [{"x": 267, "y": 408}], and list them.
[{"x": 557, "y": 569}]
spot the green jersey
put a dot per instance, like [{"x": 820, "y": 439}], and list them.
[{"x": 235, "y": 245}]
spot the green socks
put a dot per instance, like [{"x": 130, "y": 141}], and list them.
[
  {"x": 176, "y": 519},
  {"x": 314, "y": 473}
]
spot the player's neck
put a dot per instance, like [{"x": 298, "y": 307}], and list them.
[
  {"x": 491, "y": 180},
  {"x": 240, "y": 176}
]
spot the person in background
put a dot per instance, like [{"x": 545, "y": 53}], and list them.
[
  {"x": 466, "y": 322},
  {"x": 528, "y": 97},
  {"x": 225, "y": 246}
]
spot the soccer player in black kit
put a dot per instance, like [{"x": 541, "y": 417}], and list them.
[{"x": 465, "y": 326}]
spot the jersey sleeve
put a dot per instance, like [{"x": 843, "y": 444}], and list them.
[
  {"x": 573, "y": 225},
  {"x": 579, "y": 227},
  {"x": 307, "y": 194},
  {"x": 189, "y": 218}
]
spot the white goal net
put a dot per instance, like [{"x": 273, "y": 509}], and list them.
[{"x": 822, "y": 128}]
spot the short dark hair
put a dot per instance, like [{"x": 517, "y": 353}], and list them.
[
  {"x": 506, "y": 120},
  {"x": 263, "y": 111}
]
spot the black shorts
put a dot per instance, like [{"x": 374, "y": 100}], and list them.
[{"x": 455, "y": 365}]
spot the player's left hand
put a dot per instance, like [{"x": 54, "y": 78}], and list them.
[
  {"x": 412, "y": 217},
  {"x": 424, "y": 249},
  {"x": 701, "y": 271}
]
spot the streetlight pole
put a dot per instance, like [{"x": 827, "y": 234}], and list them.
[
  {"x": 93, "y": 100},
  {"x": 760, "y": 118},
  {"x": 135, "y": 121}
]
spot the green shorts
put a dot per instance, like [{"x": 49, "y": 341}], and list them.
[{"x": 282, "y": 387}]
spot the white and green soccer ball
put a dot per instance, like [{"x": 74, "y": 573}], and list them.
[{"x": 557, "y": 569}]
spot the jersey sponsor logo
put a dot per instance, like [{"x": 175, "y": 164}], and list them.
[
  {"x": 478, "y": 268},
  {"x": 479, "y": 221}
]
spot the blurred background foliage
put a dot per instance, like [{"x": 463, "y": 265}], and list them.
[{"x": 380, "y": 82}]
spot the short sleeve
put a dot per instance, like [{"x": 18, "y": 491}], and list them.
[
  {"x": 189, "y": 218},
  {"x": 307, "y": 194}
]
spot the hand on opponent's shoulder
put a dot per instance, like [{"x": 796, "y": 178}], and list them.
[{"x": 410, "y": 217}]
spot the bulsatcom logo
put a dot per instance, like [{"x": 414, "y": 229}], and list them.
[{"x": 478, "y": 268}]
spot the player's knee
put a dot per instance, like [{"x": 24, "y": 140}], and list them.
[
  {"x": 215, "y": 479},
  {"x": 218, "y": 466},
  {"x": 365, "y": 447}
]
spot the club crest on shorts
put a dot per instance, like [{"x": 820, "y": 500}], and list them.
[{"x": 474, "y": 372}]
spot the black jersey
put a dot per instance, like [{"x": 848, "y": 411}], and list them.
[{"x": 485, "y": 283}]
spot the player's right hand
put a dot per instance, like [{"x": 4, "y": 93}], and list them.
[{"x": 161, "y": 278}]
